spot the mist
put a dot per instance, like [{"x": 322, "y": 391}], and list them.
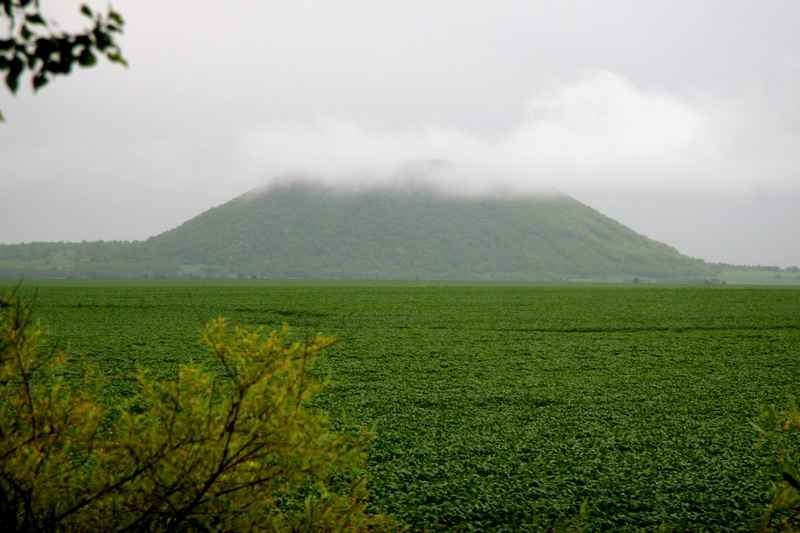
[
  {"x": 600, "y": 131},
  {"x": 680, "y": 121}
]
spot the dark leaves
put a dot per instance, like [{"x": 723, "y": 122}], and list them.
[
  {"x": 43, "y": 48},
  {"x": 12, "y": 82},
  {"x": 116, "y": 17},
  {"x": 32, "y": 46},
  {"x": 15, "y": 68},
  {"x": 83, "y": 40},
  {"x": 116, "y": 57},
  {"x": 87, "y": 58},
  {"x": 35, "y": 18},
  {"x": 102, "y": 39},
  {"x": 39, "y": 81}
]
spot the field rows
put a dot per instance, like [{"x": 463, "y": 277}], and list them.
[{"x": 495, "y": 405}]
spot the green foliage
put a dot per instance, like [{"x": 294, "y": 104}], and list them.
[
  {"x": 32, "y": 44},
  {"x": 235, "y": 450},
  {"x": 575, "y": 523},
  {"x": 495, "y": 403},
  {"x": 779, "y": 430},
  {"x": 306, "y": 232}
]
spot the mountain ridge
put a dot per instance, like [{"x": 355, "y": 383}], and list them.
[{"x": 305, "y": 230}]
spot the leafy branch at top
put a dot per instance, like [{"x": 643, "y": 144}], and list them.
[{"x": 31, "y": 43}]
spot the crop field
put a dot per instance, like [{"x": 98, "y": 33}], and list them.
[{"x": 500, "y": 407}]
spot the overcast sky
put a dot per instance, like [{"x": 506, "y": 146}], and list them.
[{"x": 679, "y": 119}]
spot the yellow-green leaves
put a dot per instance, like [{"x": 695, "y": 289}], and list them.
[
  {"x": 780, "y": 430},
  {"x": 233, "y": 450}
]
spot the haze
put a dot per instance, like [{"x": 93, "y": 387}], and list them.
[{"x": 679, "y": 119}]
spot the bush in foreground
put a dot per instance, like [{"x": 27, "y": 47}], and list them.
[
  {"x": 780, "y": 429},
  {"x": 237, "y": 449}
]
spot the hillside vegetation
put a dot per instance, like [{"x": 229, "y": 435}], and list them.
[{"x": 303, "y": 231}]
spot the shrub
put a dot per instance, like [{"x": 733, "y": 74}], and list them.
[
  {"x": 780, "y": 429},
  {"x": 236, "y": 449}
]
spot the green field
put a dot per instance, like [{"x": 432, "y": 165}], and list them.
[{"x": 497, "y": 404}]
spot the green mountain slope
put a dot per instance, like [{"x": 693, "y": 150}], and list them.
[{"x": 308, "y": 231}]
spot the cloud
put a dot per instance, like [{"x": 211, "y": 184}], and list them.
[{"x": 599, "y": 131}]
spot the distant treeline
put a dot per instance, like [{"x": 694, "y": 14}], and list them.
[{"x": 757, "y": 268}]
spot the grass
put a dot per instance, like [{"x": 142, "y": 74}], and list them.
[{"x": 501, "y": 406}]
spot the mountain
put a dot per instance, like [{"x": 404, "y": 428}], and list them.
[{"x": 309, "y": 231}]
